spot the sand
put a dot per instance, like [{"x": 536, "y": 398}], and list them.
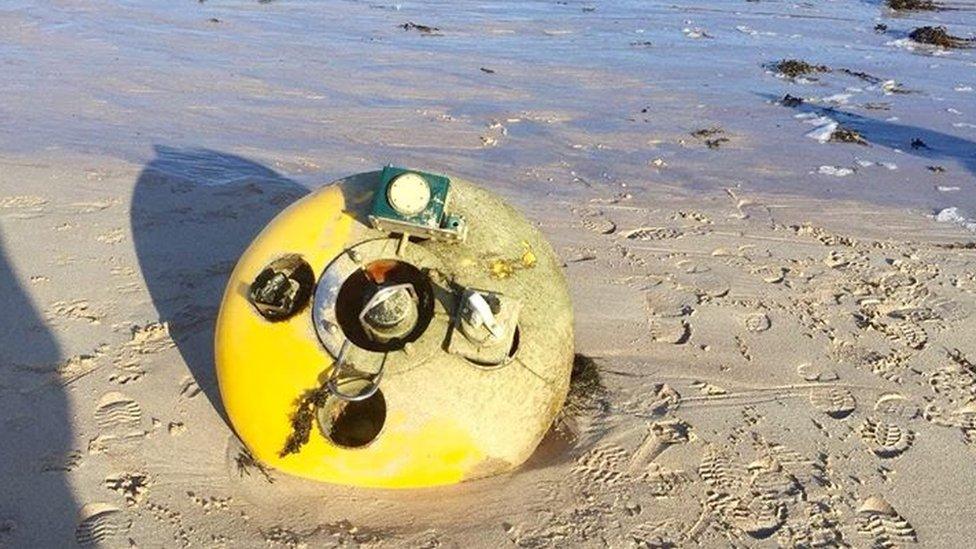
[
  {"x": 768, "y": 354},
  {"x": 760, "y": 376}
]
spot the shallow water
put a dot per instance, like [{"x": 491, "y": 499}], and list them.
[{"x": 582, "y": 94}]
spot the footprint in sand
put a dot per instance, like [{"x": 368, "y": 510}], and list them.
[
  {"x": 132, "y": 486},
  {"x": 78, "y": 309},
  {"x": 661, "y": 435},
  {"x": 720, "y": 471},
  {"x": 61, "y": 462},
  {"x": 758, "y": 322},
  {"x": 816, "y": 372},
  {"x": 651, "y": 233},
  {"x": 99, "y": 523},
  {"x": 113, "y": 236},
  {"x": 836, "y": 402},
  {"x": 662, "y": 482},
  {"x": 117, "y": 412},
  {"x": 120, "y": 420},
  {"x": 189, "y": 387},
  {"x": 896, "y": 406},
  {"x": 878, "y": 522},
  {"x": 22, "y": 201},
  {"x": 665, "y": 301},
  {"x": 710, "y": 284},
  {"x": 667, "y": 533},
  {"x": 885, "y": 438},
  {"x": 756, "y": 516},
  {"x": 603, "y": 464},
  {"x": 771, "y": 274},
  {"x": 597, "y": 222},
  {"x": 670, "y": 330},
  {"x": 907, "y": 333}
]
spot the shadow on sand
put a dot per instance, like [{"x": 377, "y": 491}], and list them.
[
  {"x": 37, "y": 507},
  {"x": 194, "y": 211}
]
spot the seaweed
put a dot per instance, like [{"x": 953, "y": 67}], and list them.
[
  {"x": 707, "y": 132},
  {"x": 586, "y": 389},
  {"x": 957, "y": 246},
  {"x": 423, "y": 29},
  {"x": 869, "y": 78},
  {"x": 913, "y": 5},
  {"x": 301, "y": 420},
  {"x": 714, "y": 142},
  {"x": 939, "y": 36},
  {"x": 846, "y": 135},
  {"x": 794, "y": 68},
  {"x": 791, "y": 101},
  {"x": 246, "y": 461}
]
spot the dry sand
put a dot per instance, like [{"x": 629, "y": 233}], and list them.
[
  {"x": 769, "y": 354},
  {"x": 754, "y": 375}
]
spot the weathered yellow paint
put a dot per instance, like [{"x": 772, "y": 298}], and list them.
[
  {"x": 263, "y": 367},
  {"x": 447, "y": 419}
]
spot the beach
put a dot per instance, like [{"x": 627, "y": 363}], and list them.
[{"x": 772, "y": 266}]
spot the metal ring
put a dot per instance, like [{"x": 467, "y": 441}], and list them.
[{"x": 332, "y": 383}]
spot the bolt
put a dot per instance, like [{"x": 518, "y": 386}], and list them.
[
  {"x": 408, "y": 348},
  {"x": 355, "y": 255}
]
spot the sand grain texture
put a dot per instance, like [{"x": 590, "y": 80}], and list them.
[{"x": 769, "y": 354}]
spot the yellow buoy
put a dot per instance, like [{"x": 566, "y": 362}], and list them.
[{"x": 395, "y": 329}]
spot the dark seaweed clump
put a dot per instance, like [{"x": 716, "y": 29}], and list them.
[
  {"x": 424, "y": 29},
  {"x": 791, "y": 101},
  {"x": 301, "y": 420},
  {"x": 246, "y": 461},
  {"x": 845, "y": 135},
  {"x": 939, "y": 36},
  {"x": 706, "y": 133},
  {"x": 586, "y": 389},
  {"x": 913, "y": 5},
  {"x": 869, "y": 78},
  {"x": 794, "y": 68},
  {"x": 958, "y": 246}
]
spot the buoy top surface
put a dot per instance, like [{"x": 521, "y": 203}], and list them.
[{"x": 438, "y": 414}]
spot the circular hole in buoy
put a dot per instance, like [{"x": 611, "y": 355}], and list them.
[
  {"x": 352, "y": 424},
  {"x": 515, "y": 343},
  {"x": 360, "y": 287}
]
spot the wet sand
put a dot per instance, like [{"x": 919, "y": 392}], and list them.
[{"x": 787, "y": 358}]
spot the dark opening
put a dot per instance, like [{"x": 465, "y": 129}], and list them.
[
  {"x": 360, "y": 287},
  {"x": 515, "y": 343},
  {"x": 353, "y": 424},
  {"x": 283, "y": 288}
]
